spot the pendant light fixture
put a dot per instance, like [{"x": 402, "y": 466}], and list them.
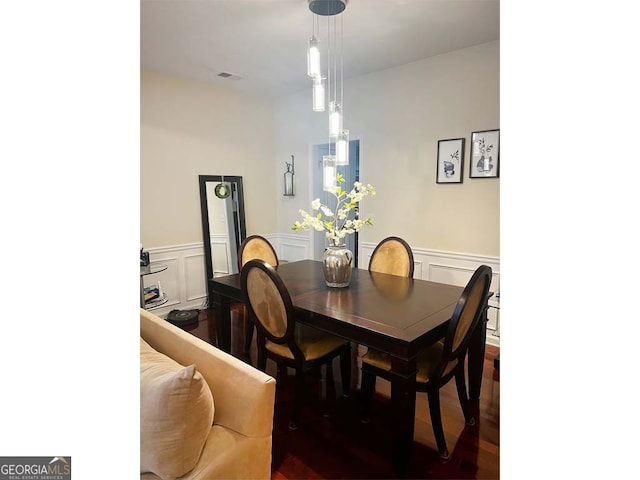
[
  {"x": 329, "y": 173},
  {"x": 313, "y": 57},
  {"x": 335, "y": 119},
  {"x": 342, "y": 148},
  {"x": 334, "y": 74},
  {"x": 318, "y": 94}
]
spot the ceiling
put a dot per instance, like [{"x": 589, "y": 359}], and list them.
[{"x": 264, "y": 41}]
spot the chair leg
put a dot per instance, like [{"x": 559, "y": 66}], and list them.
[
  {"x": 297, "y": 399},
  {"x": 433, "y": 395},
  {"x": 345, "y": 370},
  {"x": 248, "y": 335},
  {"x": 461, "y": 386},
  {"x": 324, "y": 380},
  {"x": 324, "y": 383},
  {"x": 367, "y": 388},
  {"x": 262, "y": 355}
]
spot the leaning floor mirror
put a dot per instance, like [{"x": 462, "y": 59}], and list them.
[{"x": 223, "y": 223}]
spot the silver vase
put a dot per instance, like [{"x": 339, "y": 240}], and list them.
[{"x": 336, "y": 266}]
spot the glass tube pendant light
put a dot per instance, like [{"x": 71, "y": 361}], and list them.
[
  {"x": 342, "y": 148},
  {"x": 335, "y": 119},
  {"x": 329, "y": 173},
  {"x": 318, "y": 94},
  {"x": 313, "y": 58}
]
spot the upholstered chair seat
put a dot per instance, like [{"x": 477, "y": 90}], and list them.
[
  {"x": 313, "y": 343},
  {"x": 427, "y": 362}
]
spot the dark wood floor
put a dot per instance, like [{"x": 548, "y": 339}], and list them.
[{"x": 338, "y": 445}]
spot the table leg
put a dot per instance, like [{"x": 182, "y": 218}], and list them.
[
  {"x": 403, "y": 405},
  {"x": 223, "y": 322},
  {"x": 477, "y": 346}
]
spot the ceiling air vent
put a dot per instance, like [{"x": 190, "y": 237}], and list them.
[{"x": 230, "y": 76}]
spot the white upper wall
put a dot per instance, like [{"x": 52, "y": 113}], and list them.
[
  {"x": 399, "y": 115},
  {"x": 189, "y": 129}
]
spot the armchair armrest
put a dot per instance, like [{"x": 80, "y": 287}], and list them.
[{"x": 243, "y": 396}]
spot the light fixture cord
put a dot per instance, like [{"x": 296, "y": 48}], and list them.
[
  {"x": 329, "y": 54},
  {"x": 314, "y": 22},
  {"x": 342, "y": 66},
  {"x": 335, "y": 63}
]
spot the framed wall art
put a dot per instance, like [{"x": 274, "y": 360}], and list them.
[
  {"x": 450, "y": 160},
  {"x": 485, "y": 154}
]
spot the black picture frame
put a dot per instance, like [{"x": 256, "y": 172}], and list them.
[
  {"x": 484, "y": 158},
  {"x": 450, "y": 160}
]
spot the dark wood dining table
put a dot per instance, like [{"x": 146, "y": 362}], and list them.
[{"x": 396, "y": 315}]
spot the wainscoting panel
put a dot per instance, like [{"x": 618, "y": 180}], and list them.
[
  {"x": 291, "y": 248},
  {"x": 417, "y": 266},
  {"x": 184, "y": 279},
  {"x": 449, "y": 274},
  {"x": 221, "y": 254},
  {"x": 195, "y": 271}
]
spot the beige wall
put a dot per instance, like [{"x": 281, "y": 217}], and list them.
[
  {"x": 400, "y": 114},
  {"x": 190, "y": 129}
]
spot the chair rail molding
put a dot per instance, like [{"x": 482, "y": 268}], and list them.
[{"x": 184, "y": 281}]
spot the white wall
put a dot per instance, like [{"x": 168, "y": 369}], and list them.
[
  {"x": 189, "y": 129},
  {"x": 400, "y": 114}
]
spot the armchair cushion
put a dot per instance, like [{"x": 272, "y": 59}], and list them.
[{"x": 176, "y": 414}]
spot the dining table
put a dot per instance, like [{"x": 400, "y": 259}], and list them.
[{"x": 396, "y": 315}]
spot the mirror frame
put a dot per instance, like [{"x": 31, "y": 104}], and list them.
[{"x": 203, "y": 180}]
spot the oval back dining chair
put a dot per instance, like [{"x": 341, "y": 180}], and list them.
[
  {"x": 281, "y": 338},
  {"x": 255, "y": 246},
  {"x": 393, "y": 256},
  {"x": 440, "y": 362}
]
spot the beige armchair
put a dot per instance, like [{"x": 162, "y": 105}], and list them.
[{"x": 238, "y": 445}]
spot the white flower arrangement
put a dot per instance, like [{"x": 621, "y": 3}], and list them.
[{"x": 328, "y": 220}]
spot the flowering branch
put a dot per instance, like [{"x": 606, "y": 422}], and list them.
[{"x": 335, "y": 223}]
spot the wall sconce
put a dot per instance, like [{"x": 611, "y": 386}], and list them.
[{"x": 288, "y": 179}]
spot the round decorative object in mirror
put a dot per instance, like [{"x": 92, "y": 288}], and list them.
[{"x": 222, "y": 190}]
